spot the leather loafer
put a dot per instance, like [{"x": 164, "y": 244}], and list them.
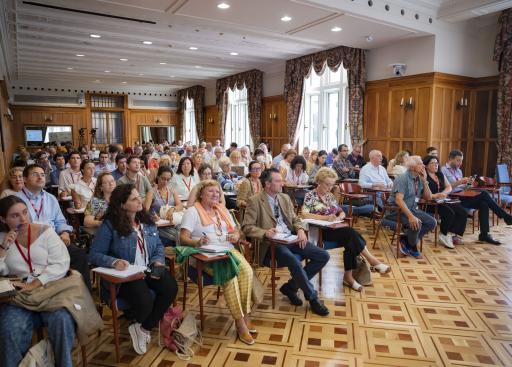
[
  {"x": 292, "y": 296},
  {"x": 318, "y": 308},
  {"x": 487, "y": 238},
  {"x": 508, "y": 220}
]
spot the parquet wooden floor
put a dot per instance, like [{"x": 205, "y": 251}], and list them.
[{"x": 452, "y": 308}]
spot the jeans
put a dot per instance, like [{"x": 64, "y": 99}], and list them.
[
  {"x": 149, "y": 311},
  {"x": 483, "y": 203},
  {"x": 358, "y": 210},
  {"x": 428, "y": 223},
  {"x": 17, "y": 324},
  {"x": 301, "y": 276}
]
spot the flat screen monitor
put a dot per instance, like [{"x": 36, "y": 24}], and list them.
[{"x": 34, "y": 136}]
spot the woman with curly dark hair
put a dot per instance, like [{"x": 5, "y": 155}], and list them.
[
  {"x": 127, "y": 236},
  {"x": 296, "y": 174}
]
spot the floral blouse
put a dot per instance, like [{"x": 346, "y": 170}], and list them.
[{"x": 314, "y": 205}]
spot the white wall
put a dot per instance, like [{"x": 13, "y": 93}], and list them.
[
  {"x": 417, "y": 53},
  {"x": 273, "y": 84}
]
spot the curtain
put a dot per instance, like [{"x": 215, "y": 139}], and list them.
[
  {"x": 253, "y": 81},
  {"x": 352, "y": 59},
  {"x": 196, "y": 93},
  {"x": 503, "y": 56}
]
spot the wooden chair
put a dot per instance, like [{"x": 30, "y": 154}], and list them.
[
  {"x": 117, "y": 304},
  {"x": 504, "y": 183},
  {"x": 353, "y": 191}
]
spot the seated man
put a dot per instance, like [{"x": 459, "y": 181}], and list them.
[
  {"x": 342, "y": 165},
  {"x": 71, "y": 175},
  {"x": 270, "y": 212},
  {"x": 408, "y": 188},
  {"x": 374, "y": 176},
  {"x": 483, "y": 202},
  {"x": 356, "y": 158},
  {"x": 43, "y": 208}
]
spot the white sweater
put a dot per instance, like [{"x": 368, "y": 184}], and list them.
[{"x": 49, "y": 255}]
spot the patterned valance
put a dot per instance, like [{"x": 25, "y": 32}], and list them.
[
  {"x": 352, "y": 59},
  {"x": 196, "y": 93},
  {"x": 253, "y": 81}
]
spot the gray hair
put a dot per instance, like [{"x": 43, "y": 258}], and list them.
[
  {"x": 412, "y": 161},
  {"x": 373, "y": 153}
]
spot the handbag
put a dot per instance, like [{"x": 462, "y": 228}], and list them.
[
  {"x": 258, "y": 289},
  {"x": 362, "y": 273},
  {"x": 186, "y": 336},
  {"x": 40, "y": 355},
  {"x": 170, "y": 322}
]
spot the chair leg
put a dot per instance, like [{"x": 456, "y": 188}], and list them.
[
  {"x": 376, "y": 235},
  {"x": 218, "y": 292},
  {"x": 185, "y": 281},
  {"x": 200, "y": 288},
  {"x": 273, "y": 276},
  {"x": 84, "y": 356},
  {"x": 115, "y": 321}
]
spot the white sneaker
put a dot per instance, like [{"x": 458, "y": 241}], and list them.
[
  {"x": 140, "y": 338},
  {"x": 446, "y": 241}
]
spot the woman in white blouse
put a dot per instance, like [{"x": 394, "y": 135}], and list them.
[
  {"x": 36, "y": 253},
  {"x": 284, "y": 165},
  {"x": 83, "y": 191},
  {"x": 296, "y": 174},
  {"x": 185, "y": 178}
]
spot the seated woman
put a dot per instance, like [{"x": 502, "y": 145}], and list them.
[
  {"x": 205, "y": 173},
  {"x": 164, "y": 160},
  {"x": 227, "y": 179},
  {"x": 210, "y": 222},
  {"x": 250, "y": 185},
  {"x": 297, "y": 175},
  {"x": 35, "y": 252},
  {"x": 197, "y": 160},
  {"x": 321, "y": 161},
  {"x": 129, "y": 236},
  {"x": 453, "y": 216},
  {"x": 13, "y": 182},
  {"x": 98, "y": 205},
  {"x": 165, "y": 203},
  {"x": 321, "y": 204},
  {"x": 185, "y": 178},
  {"x": 268, "y": 156},
  {"x": 82, "y": 191},
  {"x": 310, "y": 163},
  {"x": 260, "y": 156},
  {"x": 236, "y": 161},
  {"x": 284, "y": 165},
  {"x": 396, "y": 166}
]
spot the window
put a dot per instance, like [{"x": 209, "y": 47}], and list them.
[
  {"x": 107, "y": 119},
  {"x": 237, "y": 120},
  {"x": 324, "y": 113},
  {"x": 190, "y": 122}
]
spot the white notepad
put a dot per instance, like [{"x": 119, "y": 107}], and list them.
[{"x": 131, "y": 270}]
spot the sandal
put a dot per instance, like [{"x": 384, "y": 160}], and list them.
[
  {"x": 381, "y": 268},
  {"x": 251, "y": 327},
  {"x": 354, "y": 286},
  {"x": 245, "y": 338}
]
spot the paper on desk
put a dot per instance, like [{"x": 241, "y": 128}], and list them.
[
  {"x": 6, "y": 288},
  {"x": 321, "y": 222},
  {"x": 285, "y": 237},
  {"x": 162, "y": 222},
  {"x": 131, "y": 270},
  {"x": 216, "y": 248}
]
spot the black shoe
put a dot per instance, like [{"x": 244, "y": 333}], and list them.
[
  {"x": 292, "y": 296},
  {"x": 487, "y": 238},
  {"x": 508, "y": 220},
  {"x": 318, "y": 308}
]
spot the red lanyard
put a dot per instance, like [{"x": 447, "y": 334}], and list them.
[
  {"x": 454, "y": 174},
  {"x": 27, "y": 258},
  {"x": 189, "y": 183},
  {"x": 416, "y": 186},
  {"x": 38, "y": 212},
  {"x": 141, "y": 243}
]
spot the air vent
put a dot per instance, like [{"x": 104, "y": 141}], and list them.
[
  {"x": 54, "y": 101},
  {"x": 151, "y": 104}
]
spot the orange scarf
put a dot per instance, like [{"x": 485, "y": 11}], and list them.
[{"x": 219, "y": 210}]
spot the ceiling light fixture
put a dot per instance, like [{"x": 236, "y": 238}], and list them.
[
  {"x": 80, "y": 55},
  {"x": 107, "y": 71},
  {"x": 198, "y": 67},
  {"x": 223, "y": 6},
  {"x": 286, "y": 18},
  {"x": 123, "y": 59},
  {"x": 141, "y": 74},
  {"x": 147, "y": 42},
  {"x": 172, "y": 76},
  {"x": 124, "y": 82},
  {"x": 95, "y": 36},
  {"x": 369, "y": 38},
  {"x": 193, "y": 48},
  {"x": 233, "y": 53},
  {"x": 69, "y": 68},
  {"x": 163, "y": 63},
  {"x": 336, "y": 29}
]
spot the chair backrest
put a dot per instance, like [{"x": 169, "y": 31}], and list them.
[
  {"x": 484, "y": 181},
  {"x": 502, "y": 173},
  {"x": 350, "y": 188}
]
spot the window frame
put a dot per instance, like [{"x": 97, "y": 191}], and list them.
[{"x": 237, "y": 119}]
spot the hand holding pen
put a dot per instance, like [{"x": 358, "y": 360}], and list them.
[{"x": 203, "y": 240}]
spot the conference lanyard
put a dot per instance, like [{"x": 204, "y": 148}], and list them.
[
  {"x": 27, "y": 257},
  {"x": 141, "y": 243},
  {"x": 189, "y": 182},
  {"x": 38, "y": 212}
]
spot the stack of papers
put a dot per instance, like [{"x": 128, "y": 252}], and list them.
[
  {"x": 131, "y": 270},
  {"x": 285, "y": 237},
  {"x": 321, "y": 222},
  {"x": 216, "y": 249}
]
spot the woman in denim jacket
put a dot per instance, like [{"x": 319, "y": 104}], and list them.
[{"x": 129, "y": 236}]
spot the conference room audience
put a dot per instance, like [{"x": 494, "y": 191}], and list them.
[
  {"x": 197, "y": 160},
  {"x": 276, "y": 162},
  {"x": 104, "y": 165},
  {"x": 218, "y": 153},
  {"x": 408, "y": 188},
  {"x": 42, "y": 159},
  {"x": 205, "y": 173},
  {"x": 321, "y": 161},
  {"x": 98, "y": 205},
  {"x": 237, "y": 165},
  {"x": 228, "y": 179},
  {"x": 432, "y": 151},
  {"x": 185, "y": 178},
  {"x": 321, "y": 204},
  {"x": 13, "y": 182},
  {"x": 268, "y": 156},
  {"x": 249, "y": 185},
  {"x": 259, "y": 155},
  {"x": 60, "y": 165},
  {"x": 342, "y": 164},
  {"x": 209, "y": 222},
  {"x": 83, "y": 190},
  {"x": 483, "y": 201},
  {"x": 374, "y": 176},
  {"x": 396, "y": 165},
  {"x": 245, "y": 155},
  {"x": 306, "y": 153},
  {"x": 121, "y": 166},
  {"x": 163, "y": 161},
  {"x": 296, "y": 174},
  {"x": 271, "y": 212},
  {"x": 355, "y": 157},
  {"x": 48, "y": 261},
  {"x": 310, "y": 163},
  {"x": 135, "y": 177},
  {"x": 453, "y": 216},
  {"x": 284, "y": 165},
  {"x": 128, "y": 236},
  {"x": 70, "y": 175}
]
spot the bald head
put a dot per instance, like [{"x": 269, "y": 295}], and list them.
[{"x": 375, "y": 157}]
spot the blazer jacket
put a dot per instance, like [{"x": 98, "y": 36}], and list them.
[
  {"x": 245, "y": 191},
  {"x": 259, "y": 218}
]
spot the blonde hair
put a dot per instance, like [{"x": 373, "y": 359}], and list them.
[
  {"x": 400, "y": 157},
  {"x": 6, "y": 184},
  {"x": 235, "y": 153},
  {"x": 325, "y": 172},
  {"x": 289, "y": 152},
  {"x": 165, "y": 160},
  {"x": 203, "y": 185},
  {"x": 224, "y": 161}
]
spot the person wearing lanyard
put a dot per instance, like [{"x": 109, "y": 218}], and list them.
[
  {"x": 127, "y": 236},
  {"x": 185, "y": 178},
  {"x": 44, "y": 208},
  {"x": 408, "y": 188},
  {"x": 70, "y": 175},
  {"x": 35, "y": 253},
  {"x": 483, "y": 201},
  {"x": 140, "y": 181}
]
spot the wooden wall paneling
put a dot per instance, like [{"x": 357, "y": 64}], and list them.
[
  {"x": 274, "y": 130},
  {"x": 136, "y": 118},
  {"x": 212, "y": 124},
  {"x": 7, "y": 145},
  {"x": 409, "y": 115}
]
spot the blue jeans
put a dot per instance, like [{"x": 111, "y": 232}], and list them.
[
  {"x": 17, "y": 324},
  {"x": 428, "y": 223},
  {"x": 317, "y": 258},
  {"x": 358, "y": 210}
]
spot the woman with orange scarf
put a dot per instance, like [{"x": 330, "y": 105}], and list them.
[{"x": 209, "y": 222}]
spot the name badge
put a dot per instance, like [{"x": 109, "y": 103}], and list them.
[{"x": 416, "y": 200}]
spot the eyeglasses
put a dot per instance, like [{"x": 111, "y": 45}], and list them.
[
  {"x": 255, "y": 169},
  {"x": 165, "y": 179},
  {"x": 37, "y": 174}
]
